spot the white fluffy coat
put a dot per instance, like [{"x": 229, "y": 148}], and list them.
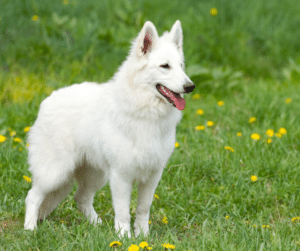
[{"x": 121, "y": 131}]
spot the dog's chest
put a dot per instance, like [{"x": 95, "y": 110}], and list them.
[{"x": 140, "y": 145}]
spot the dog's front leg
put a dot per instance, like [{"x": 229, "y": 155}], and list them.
[
  {"x": 145, "y": 196},
  {"x": 121, "y": 187}
]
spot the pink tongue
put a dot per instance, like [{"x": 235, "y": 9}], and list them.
[{"x": 178, "y": 101}]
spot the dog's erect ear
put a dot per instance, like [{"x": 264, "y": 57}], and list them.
[
  {"x": 147, "y": 39},
  {"x": 176, "y": 34}
]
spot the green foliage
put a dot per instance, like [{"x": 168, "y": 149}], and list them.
[
  {"x": 292, "y": 72},
  {"x": 250, "y": 36},
  {"x": 218, "y": 81}
]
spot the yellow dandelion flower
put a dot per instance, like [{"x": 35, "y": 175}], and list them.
[
  {"x": 295, "y": 219},
  {"x": 2, "y": 138},
  {"x": 229, "y": 148},
  {"x": 200, "y": 111},
  {"x": 254, "y": 225},
  {"x": 210, "y": 123},
  {"x": 115, "y": 244},
  {"x": 220, "y": 103},
  {"x": 278, "y": 135},
  {"x": 282, "y": 131},
  {"x": 288, "y": 100},
  {"x": 35, "y": 18},
  {"x": 168, "y": 246},
  {"x": 26, "y": 178},
  {"x": 165, "y": 220},
  {"x": 149, "y": 222},
  {"x": 227, "y": 217},
  {"x": 13, "y": 133},
  {"x": 269, "y": 140},
  {"x": 239, "y": 134},
  {"x": 176, "y": 144},
  {"x": 20, "y": 149},
  {"x": 156, "y": 196},
  {"x": 253, "y": 178},
  {"x": 200, "y": 127},
  {"x": 252, "y": 120},
  {"x": 27, "y": 129},
  {"x": 143, "y": 244},
  {"x": 196, "y": 96},
  {"x": 27, "y": 145},
  {"x": 213, "y": 12},
  {"x": 270, "y": 132},
  {"x": 265, "y": 226},
  {"x": 255, "y": 136},
  {"x": 17, "y": 140},
  {"x": 133, "y": 248}
]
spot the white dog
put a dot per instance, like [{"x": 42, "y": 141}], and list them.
[{"x": 121, "y": 131}]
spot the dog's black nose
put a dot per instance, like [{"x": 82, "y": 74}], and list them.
[{"x": 189, "y": 87}]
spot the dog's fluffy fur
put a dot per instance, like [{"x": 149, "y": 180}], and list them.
[{"x": 121, "y": 131}]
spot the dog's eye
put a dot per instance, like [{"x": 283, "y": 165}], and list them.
[{"x": 166, "y": 66}]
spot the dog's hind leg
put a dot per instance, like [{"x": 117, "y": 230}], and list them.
[
  {"x": 41, "y": 202},
  {"x": 33, "y": 202},
  {"x": 89, "y": 181},
  {"x": 53, "y": 199},
  {"x": 52, "y": 181}
]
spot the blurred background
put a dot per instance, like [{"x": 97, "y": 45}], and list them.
[{"x": 48, "y": 44}]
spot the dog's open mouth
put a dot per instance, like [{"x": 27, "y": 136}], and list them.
[{"x": 173, "y": 97}]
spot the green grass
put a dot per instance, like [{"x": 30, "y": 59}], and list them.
[
  {"x": 246, "y": 56},
  {"x": 254, "y": 36},
  {"x": 202, "y": 184}
]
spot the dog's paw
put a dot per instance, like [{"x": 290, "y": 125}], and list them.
[
  {"x": 123, "y": 230},
  {"x": 94, "y": 218},
  {"x": 97, "y": 221},
  {"x": 124, "y": 233},
  {"x": 141, "y": 228},
  {"x": 29, "y": 226}
]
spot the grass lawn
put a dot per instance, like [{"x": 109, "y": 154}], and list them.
[
  {"x": 206, "y": 191},
  {"x": 232, "y": 182}
]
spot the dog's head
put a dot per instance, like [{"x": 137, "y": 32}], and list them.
[{"x": 161, "y": 64}]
